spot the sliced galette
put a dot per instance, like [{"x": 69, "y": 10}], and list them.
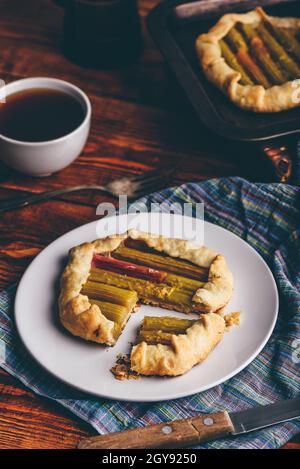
[{"x": 105, "y": 280}]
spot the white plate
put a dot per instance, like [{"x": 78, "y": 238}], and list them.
[{"x": 86, "y": 365}]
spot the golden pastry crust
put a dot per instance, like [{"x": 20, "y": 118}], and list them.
[
  {"x": 85, "y": 320},
  {"x": 77, "y": 314},
  {"x": 251, "y": 97},
  {"x": 186, "y": 350}
]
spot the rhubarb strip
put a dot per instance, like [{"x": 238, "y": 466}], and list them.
[
  {"x": 166, "y": 324},
  {"x": 258, "y": 49},
  {"x": 287, "y": 40},
  {"x": 285, "y": 37},
  {"x": 109, "y": 293},
  {"x": 128, "y": 268},
  {"x": 182, "y": 298},
  {"x": 232, "y": 61},
  {"x": 116, "y": 313},
  {"x": 142, "y": 287},
  {"x": 161, "y": 262},
  {"x": 153, "y": 338},
  {"x": 159, "y": 330},
  {"x": 184, "y": 283},
  {"x": 238, "y": 43},
  {"x": 176, "y": 291},
  {"x": 245, "y": 59},
  {"x": 278, "y": 52}
]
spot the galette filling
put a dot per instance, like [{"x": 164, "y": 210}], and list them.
[
  {"x": 134, "y": 272},
  {"x": 159, "y": 330},
  {"x": 264, "y": 54}
]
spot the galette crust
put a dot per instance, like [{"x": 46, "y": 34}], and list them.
[
  {"x": 85, "y": 320},
  {"x": 186, "y": 350},
  {"x": 77, "y": 314},
  {"x": 251, "y": 97}
]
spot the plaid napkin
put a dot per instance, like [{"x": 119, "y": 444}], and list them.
[{"x": 267, "y": 216}]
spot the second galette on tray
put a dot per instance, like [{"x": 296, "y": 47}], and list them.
[{"x": 254, "y": 59}]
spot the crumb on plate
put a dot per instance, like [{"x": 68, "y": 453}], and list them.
[
  {"x": 232, "y": 319},
  {"x": 121, "y": 370}
]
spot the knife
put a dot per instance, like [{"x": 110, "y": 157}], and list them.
[{"x": 195, "y": 430}]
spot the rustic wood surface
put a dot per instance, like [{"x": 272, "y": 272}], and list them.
[{"x": 140, "y": 122}]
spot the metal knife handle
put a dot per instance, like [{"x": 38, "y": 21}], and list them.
[{"x": 179, "y": 433}]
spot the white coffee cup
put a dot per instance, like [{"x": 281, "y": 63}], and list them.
[{"x": 45, "y": 158}]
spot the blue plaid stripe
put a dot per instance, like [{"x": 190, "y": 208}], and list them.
[{"x": 268, "y": 217}]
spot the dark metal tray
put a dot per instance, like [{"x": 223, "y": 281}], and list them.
[{"x": 175, "y": 27}]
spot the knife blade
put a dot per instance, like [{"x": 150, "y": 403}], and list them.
[
  {"x": 199, "y": 429},
  {"x": 262, "y": 417}
]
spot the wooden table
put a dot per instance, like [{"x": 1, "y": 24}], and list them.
[{"x": 140, "y": 122}]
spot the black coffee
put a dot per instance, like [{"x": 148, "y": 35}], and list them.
[{"x": 39, "y": 114}]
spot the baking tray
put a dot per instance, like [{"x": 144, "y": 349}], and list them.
[{"x": 175, "y": 25}]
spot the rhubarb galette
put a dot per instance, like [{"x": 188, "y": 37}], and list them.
[
  {"x": 104, "y": 281},
  {"x": 254, "y": 58}
]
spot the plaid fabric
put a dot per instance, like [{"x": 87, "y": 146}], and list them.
[{"x": 267, "y": 216}]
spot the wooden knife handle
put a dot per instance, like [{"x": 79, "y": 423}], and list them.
[{"x": 179, "y": 433}]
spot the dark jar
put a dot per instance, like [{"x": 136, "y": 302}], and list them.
[{"x": 101, "y": 33}]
